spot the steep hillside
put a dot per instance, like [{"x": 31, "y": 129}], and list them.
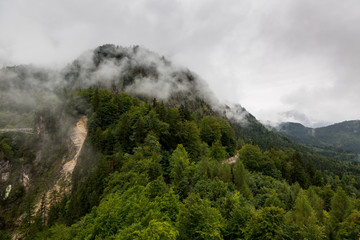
[
  {"x": 125, "y": 145},
  {"x": 147, "y": 76},
  {"x": 345, "y": 135},
  {"x": 163, "y": 172},
  {"x": 342, "y": 137}
]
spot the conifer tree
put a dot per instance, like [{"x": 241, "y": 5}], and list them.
[{"x": 239, "y": 174}]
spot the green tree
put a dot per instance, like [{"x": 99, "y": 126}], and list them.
[
  {"x": 213, "y": 190},
  {"x": 169, "y": 205},
  {"x": 189, "y": 135},
  {"x": 213, "y": 129},
  {"x": 316, "y": 203},
  {"x": 327, "y": 194},
  {"x": 179, "y": 161},
  {"x": 239, "y": 174},
  {"x": 340, "y": 208},
  {"x": 179, "y": 164},
  {"x": 273, "y": 200},
  {"x": 297, "y": 170},
  {"x": 160, "y": 128},
  {"x": 57, "y": 232},
  {"x": 6, "y": 151},
  {"x": 210, "y": 130},
  {"x": 238, "y": 213},
  {"x": 304, "y": 217},
  {"x": 218, "y": 152},
  {"x": 252, "y": 157},
  {"x": 318, "y": 179},
  {"x": 139, "y": 131},
  {"x": 225, "y": 173},
  {"x": 350, "y": 228},
  {"x": 198, "y": 220},
  {"x": 268, "y": 223},
  {"x": 158, "y": 231}
]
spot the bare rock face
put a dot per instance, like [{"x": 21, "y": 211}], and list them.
[
  {"x": 5, "y": 176},
  {"x": 4, "y": 171},
  {"x": 38, "y": 157},
  {"x": 7, "y": 191},
  {"x": 77, "y": 137},
  {"x": 232, "y": 160},
  {"x": 25, "y": 175},
  {"x": 62, "y": 185}
]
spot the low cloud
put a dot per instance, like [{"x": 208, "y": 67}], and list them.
[
  {"x": 132, "y": 70},
  {"x": 261, "y": 54}
]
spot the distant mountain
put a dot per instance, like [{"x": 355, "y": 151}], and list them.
[{"x": 344, "y": 136}]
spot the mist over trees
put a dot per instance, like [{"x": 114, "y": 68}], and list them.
[{"x": 157, "y": 167}]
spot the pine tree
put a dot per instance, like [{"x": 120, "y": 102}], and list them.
[
  {"x": 239, "y": 174},
  {"x": 340, "y": 208},
  {"x": 179, "y": 164}
]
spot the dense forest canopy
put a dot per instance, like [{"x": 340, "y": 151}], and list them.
[{"x": 179, "y": 167}]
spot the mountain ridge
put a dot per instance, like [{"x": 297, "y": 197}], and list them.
[{"x": 343, "y": 135}]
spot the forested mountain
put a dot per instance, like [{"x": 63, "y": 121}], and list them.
[
  {"x": 344, "y": 137},
  {"x": 125, "y": 145}
]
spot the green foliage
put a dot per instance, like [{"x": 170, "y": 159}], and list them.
[
  {"x": 158, "y": 231},
  {"x": 305, "y": 218},
  {"x": 225, "y": 173},
  {"x": 268, "y": 223},
  {"x": 210, "y": 129},
  {"x": 118, "y": 211},
  {"x": 198, "y": 220},
  {"x": 213, "y": 190},
  {"x": 255, "y": 160},
  {"x": 169, "y": 205},
  {"x": 180, "y": 171},
  {"x": 179, "y": 161},
  {"x": 148, "y": 171},
  {"x": 237, "y": 212},
  {"x": 240, "y": 176},
  {"x": 218, "y": 152},
  {"x": 6, "y": 152},
  {"x": 297, "y": 170},
  {"x": 4, "y": 236},
  {"x": 350, "y": 228},
  {"x": 189, "y": 136},
  {"x": 340, "y": 206},
  {"x": 217, "y": 132},
  {"x": 302, "y": 209},
  {"x": 273, "y": 200},
  {"x": 252, "y": 157},
  {"x": 57, "y": 232}
]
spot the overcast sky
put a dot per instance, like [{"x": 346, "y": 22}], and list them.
[{"x": 283, "y": 60}]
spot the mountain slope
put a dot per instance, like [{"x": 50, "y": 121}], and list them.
[
  {"x": 146, "y": 75},
  {"x": 341, "y": 137},
  {"x": 345, "y": 135},
  {"x": 154, "y": 146}
]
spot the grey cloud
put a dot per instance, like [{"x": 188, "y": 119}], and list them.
[
  {"x": 308, "y": 49},
  {"x": 319, "y": 38}
]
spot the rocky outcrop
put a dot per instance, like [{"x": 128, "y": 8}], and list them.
[
  {"x": 4, "y": 171},
  {"x": 62, "y": 185},
  {"x": 25, "y": 175},
  {"x": 77, "y": 137},
  {"x": 233, "y": 159}
]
